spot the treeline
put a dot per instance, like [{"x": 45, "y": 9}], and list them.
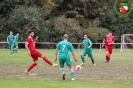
[{"x": 50, "y": 19}]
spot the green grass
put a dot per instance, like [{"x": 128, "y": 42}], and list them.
[{"x": 117, "y": 74}]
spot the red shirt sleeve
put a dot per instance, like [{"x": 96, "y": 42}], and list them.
[{"x": 28, "y": 40}]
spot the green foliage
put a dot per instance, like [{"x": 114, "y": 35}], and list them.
[
  {"x": 69, "y": 26},
  {"x": 95, "y": 34},
  {"x": 24, "y": 18}
]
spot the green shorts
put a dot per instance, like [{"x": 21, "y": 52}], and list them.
[
  {"x": 88, "y": 51},
  {"x": 65, "y": 59},
  {"x": 15, "y": 44},
  {"x": 10, "y": 45}
]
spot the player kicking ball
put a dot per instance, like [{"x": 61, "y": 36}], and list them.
[
  {"x": 108, "y": 43},
  {"x": 63, "y": 47},
  {"x": 30, "y": 47},
  {"x": 16, "y": 43},
  {"x": 87, "y": 50},
  {"x": 10, "y": 40}
]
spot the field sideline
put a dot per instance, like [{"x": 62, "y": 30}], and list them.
[{"x": 117, "y": 74}]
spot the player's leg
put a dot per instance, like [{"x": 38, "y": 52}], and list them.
[
  {"x": 11, "y": 49},
  {"x": 107, "y": 54},
  {"x": 39, "y": 54},
  {"x": 90, "y": 54},
  {"x": 35, "y": 59},
  {"x": 69, "y": 63},
  {"x": 16, "y": 47},
  {"x": 110, "y": 52},
  {"x": 62, "y": 70},
  {"x": 83, "y": 53}
]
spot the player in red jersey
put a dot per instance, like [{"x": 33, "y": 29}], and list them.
[
  {"x": 30, "y": 46},
  {"x": 108, "y": 43}
]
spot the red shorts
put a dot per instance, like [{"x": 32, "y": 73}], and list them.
[
  {"x": 35, "y": 54},
  {"x": 108, "y": 49}
]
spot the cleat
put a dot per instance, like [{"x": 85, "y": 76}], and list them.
[
  {"x": 63, "y": 77},
  {"x": 28, "y": 73},
  {"x": 107, "y": 62},
  {"x": 94, "y": 65},
  {"x": 54, "y": 65},
  {"x": 82, "y": 64},
  {"x": 73, "y": 79}
]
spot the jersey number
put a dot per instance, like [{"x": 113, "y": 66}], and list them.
[{"x": 63, "y": 48}]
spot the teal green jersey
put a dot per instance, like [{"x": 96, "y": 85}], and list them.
[
  {"x": 16, "y": 39},
  {"x": 86, "y": 43},
  {"x": 64, "y": 47},
  {"x": 10, "y": 38}
]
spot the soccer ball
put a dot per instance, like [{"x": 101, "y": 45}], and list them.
[{"x": 78, "y": 67}]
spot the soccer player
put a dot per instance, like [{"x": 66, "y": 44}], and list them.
[
  {"x": 16, "y": 43},
  {"x": 63, "y": 47},
  {"x": 108, "y": 43},
  {"x": 87, "y": 50},
  {"x": 30, "y": 47},
  {"x": 10, "y": 40}
]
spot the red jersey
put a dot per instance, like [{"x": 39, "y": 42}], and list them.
[
  {"x": 108, "y": 39},
  {"x": 31, "y": 44}
]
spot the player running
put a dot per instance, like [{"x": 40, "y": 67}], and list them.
[
  {"x": 87, "y": 50},
  {"x": 108, "y": 41},
  {"x": 63, "y": 47},
  {"x": 16, "y": 43},
  {"x": 30, "y": 46},
  {"x": 10, "y": 40}
]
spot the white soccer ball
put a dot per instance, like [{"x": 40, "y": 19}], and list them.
[{"x": 78, "y": 67}]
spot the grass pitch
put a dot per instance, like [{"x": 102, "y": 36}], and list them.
[{"x": 116, "y": 74}]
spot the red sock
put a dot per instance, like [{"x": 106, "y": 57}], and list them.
[
  {"x": 107, "y": 58},
  {"x": 47, "y": 61},
  {"x": 31, "y": 66}
]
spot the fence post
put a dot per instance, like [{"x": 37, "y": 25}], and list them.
[{"x": 100, "y": 47}]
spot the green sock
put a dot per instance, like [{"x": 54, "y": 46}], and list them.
[
  {"x": 15, "y": 50},
  {"x": 10, "y": 52},
  {"x": 83, "y": 59},
  {"x": 62, "y": 71},
  {"x": 92, "y": 60},
  {"x": 72, "y": 74}
]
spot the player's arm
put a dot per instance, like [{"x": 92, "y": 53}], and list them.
[
  {"x": 26, "y": 46},
  {"x": 72, "y": 50},
  {"x": 56, "y": 53},
  {"x": 7, "y": 39},
  {"x": 103, "y": 43},
  {"x": 90, "y": 44},
  {"x": 36, "y": 39},
  {"x": 74, "y": 56}
]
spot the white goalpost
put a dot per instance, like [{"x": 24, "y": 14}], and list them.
[{"x": 126, "y": 42}]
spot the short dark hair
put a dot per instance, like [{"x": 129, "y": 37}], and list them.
[
  {"x": 110, "y": 31},
  {"x": 30, "y": 31}
]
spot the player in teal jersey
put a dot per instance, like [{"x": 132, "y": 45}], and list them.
[
  {"x": 63, "y": 47},
  {"x": 10, "y": 40},
  {"x": 16, "y": 43},
  {"x": 87, "y": 44}
]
